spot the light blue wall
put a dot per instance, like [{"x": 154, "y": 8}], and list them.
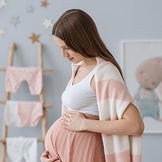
[{"x": 116, "y": 21}]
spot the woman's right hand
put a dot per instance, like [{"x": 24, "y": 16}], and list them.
[{"x": 45, "y": 158}]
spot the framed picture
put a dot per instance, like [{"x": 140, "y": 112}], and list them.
[{"x": 141, "y": 62}]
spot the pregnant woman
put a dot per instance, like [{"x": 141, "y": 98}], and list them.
[{"x": 99, "y": 121}]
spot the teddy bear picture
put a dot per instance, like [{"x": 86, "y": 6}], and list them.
[
  {"x": 141, "y": 62},
  {"x": 149, "y": 77}
]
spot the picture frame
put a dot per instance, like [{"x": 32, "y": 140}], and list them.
[{"x": 135, "y": 55}]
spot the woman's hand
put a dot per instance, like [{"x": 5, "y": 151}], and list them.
[
  {"x": 73, "y": 120},
  {"x": 45, "y": 158}
]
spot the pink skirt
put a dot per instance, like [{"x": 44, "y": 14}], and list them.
[{"x": 70, "y": 146}]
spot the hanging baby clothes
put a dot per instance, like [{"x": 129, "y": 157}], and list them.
[
  {"x": 33, "y": 76},
  {"x": 21, "y": 149},
  {"x": 23, "y": 113}
]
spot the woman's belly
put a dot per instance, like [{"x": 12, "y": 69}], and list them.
[{"x": 61, "y": 142}]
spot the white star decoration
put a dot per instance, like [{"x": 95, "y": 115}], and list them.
[
  {"x": 47, "y": 23},
  {"x": 15, "y": 20},
  {"x": 2, "y": 32},
  {"x": 2, "y": 3}
]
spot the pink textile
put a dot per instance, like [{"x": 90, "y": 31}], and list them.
[
  {"x": 30, "y": 113},
  {"x": 71, "y": 146},
  {"x": 123, "y": 157},
  {"x": 33, "y": 76},
  {"x": 23, "y": 113}
]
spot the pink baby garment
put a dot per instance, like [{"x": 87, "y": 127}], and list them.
[
  {"x": 21, "y": 149},
  {"x": 33, "y": 76},
  {"x": 22, "y": 114}
]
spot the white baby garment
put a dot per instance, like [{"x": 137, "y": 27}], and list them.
[{"x": 21, "y": 149}]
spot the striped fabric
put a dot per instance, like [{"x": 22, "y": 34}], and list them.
[{"x": 113, "y": 98}]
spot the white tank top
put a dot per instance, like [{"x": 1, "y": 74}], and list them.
[{"x": 80, "y": 96}]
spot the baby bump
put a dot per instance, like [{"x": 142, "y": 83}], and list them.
[
  {"x": 56, "y": 138},
  {"x": 52, "y": 134},
  {"x": 72, "y": 146}
]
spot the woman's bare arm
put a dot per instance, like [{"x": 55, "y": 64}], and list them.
[{"x": 130, "y": 124}]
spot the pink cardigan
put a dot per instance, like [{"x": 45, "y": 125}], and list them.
[{"x": 113, "y": 98}]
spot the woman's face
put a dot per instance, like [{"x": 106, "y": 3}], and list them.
[{"x": 67, "y": 52}]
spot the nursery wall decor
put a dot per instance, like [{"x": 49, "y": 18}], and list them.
[
  {"x": 2, "y": 32},
  {"x": 2, "y": 3},
  {"x": 23, "y": 113},
  {"x": 44, "y": 3},
  {"x": 141, "y": 61}
]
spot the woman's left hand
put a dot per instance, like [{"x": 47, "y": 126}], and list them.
[
  {"x": 45, "y": 157},
  {"x": 73, "y": 120}
]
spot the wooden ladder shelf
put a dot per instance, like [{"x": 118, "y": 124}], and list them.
[{"x": 12, "y": 49}]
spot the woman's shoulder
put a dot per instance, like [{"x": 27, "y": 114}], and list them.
[
  {"x": 105, "y": 66},
  {"x": 106, "y": 69}
]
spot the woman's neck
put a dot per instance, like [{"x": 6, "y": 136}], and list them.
[{"x": 88, "y": 62}]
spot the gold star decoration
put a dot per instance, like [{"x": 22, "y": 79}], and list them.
[
  {"x": 34, "y": 38},
  {"x": 44, "y": 3}
]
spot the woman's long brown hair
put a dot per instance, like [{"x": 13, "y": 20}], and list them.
[{"x": 78, "y": 30}]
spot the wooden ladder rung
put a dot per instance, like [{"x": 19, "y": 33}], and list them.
[
  {"x": 44, "y": 105},
  {"x": 4, "y": 140},
  {"x": 43, "y": 69}
]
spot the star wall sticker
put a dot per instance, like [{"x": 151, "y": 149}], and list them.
[
  {"x": 47, "y": 23},
  {"x": 44, "y": 3},
  {"x": 2, "y": 3},
  {"x": 15, "y": 20},
  {"x": 30, "y": 9},
  {"x": 34, "y": 38},
  {"x": 2, "y": 32}
]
